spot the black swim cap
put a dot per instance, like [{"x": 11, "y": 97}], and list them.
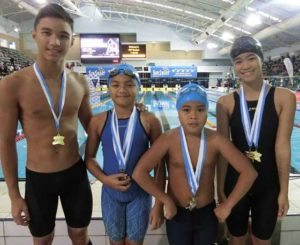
[{"x": 246, "y": 44}]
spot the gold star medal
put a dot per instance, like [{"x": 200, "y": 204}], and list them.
[
  {"x": 58, "y": 140},
  {"x": 192, "y": 204},
  {"x": 252, "y": 129},
  {"x": 254, "y": 155}
]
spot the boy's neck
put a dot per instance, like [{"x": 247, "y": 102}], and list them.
[
  {"x": 192, "y": 134},
  {"x": 123, "y": 112},
  {"x": 50, "y": 70}
]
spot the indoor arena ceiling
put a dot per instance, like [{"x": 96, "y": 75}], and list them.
[{"x": 202, "y": 21}]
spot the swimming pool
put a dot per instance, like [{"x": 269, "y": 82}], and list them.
[{"x": 163, "y": 105}]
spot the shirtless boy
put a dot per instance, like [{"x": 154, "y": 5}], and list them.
[
  {"x": 48, "y": 101},
  {"x": 191, "y": 153}
]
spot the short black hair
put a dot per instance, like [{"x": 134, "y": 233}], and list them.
[{"x": 53, "y": 10}]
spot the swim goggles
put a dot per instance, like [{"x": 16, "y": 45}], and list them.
[{"x": 124, "y": 71}]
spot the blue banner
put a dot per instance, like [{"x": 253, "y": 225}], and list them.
[
  {"x": 97, "y": 72},
  {"x": 173, "y": 72}
]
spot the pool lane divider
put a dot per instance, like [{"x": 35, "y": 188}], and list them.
[
  {"x": 100, "y": 103},
  {"x": 142, "y": 99},
  {"x": 162, "y": 115}
]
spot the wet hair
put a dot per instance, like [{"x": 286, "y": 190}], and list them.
[
  {"x": 55, "y": 11},
  {"x": 246, "y": 44}
]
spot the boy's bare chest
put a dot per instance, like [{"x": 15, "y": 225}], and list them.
[
  {"x": 177, "y": 160},
  {"x": 177, "y": 157},
  {"x": 33, "y": 100}
]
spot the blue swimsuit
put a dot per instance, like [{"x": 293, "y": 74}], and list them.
[{"x": 125, "y": 214}]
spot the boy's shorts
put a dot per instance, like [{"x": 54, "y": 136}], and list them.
[
  {"x": 126, "y": 219},
  {"x": 196, "y": 227},
  {"x": 43, "y": 190}
]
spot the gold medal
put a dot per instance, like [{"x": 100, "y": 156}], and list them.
[
  {"x": 254, "y": 155},
  {"x": 192, "y": 204},
  {"x": 58, "y": 140}
]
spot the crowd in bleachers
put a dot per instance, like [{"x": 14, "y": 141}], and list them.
[
  {"x": 277, "y": 68},
  {"x": 12, "y": 60}
]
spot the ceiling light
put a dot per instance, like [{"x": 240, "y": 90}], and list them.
[
  {"x": 41, "y": 1},
  {"x": 16, "y": 29},
  {"x": 227, "y": 36},
  {"x": 266, "y": 15},
  {"x": 211, "y": 45},
  {"x": 253, "y": 20},
  {"x": 229, "y": 1}
]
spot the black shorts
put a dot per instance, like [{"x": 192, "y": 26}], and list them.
[
  {"x": 196, "y": 227},
  {"x": 43, "y": 190},
  {"x": 264, "y": 208}
]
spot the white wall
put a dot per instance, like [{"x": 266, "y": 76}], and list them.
[
  {"x": 276, "y": 53},
  {"x": 145, "y": 32},
  {"x": 2, "y": 30},
  {"x": 29, "y": 43},
  {"x": 7, "y": 27}
]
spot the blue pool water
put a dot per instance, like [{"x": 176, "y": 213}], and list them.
[{"x": 163, "y": 105}]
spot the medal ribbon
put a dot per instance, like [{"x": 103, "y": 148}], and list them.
[
  {"x": 49, "y": 98},
  {"x": 252, "y": 131},
  {"x": 193, "y": 177},
  {"x": 122, "y": 153}
]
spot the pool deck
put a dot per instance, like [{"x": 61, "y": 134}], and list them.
[
  {"x": 294, "y": 198},
  {"x": 286, "y": 232}
]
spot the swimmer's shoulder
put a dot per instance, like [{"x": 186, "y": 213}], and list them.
[{"x": 15, "y": 81}]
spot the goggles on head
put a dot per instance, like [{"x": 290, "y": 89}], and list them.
[
  {"x": 124, "y": 70},
  {"x": 117, "y": 71}
]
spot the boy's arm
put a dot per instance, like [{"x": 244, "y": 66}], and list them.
[
  {"x": 148, "y": 162},
  {"x": 85, "y": 112},
  {"x": 223, "y": 129},
  {"x": 91, "y": 149},
  {"x": 156, "y": 214},
  {"x": 118, "y": 181},
  {"x": 247, "y": 175},
  {"x": 287, "y": 103},
  {"x": 8, "y": 126}
]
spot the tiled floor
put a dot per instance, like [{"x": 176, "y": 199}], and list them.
[
  {"x": 294, "y": 195},
  {"x": 11, "y": 234}
]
